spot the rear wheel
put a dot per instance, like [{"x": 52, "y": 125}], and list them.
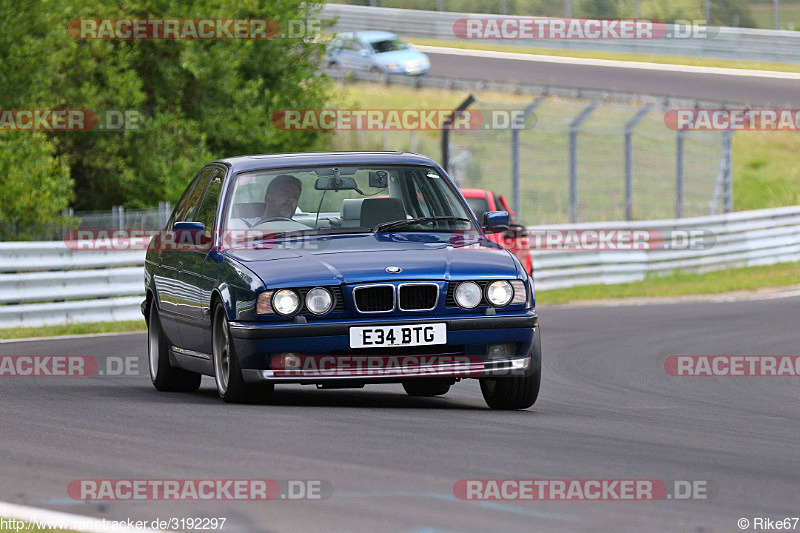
[
  {"x": 227, "y": 372},
  {"x": 517, "y": 392},
  {"x": 427, "y": 387},
  {"x": 164, "y": 376}
]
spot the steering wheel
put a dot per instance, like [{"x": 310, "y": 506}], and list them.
[{"x": 272, "y": 219}]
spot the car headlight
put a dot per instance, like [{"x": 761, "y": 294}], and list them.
[
  {"x": 499, "y": 293},
  {"x": 285, "y": 302},
  {"x": 319, "y": 301},
  {"x": 468, "y": 295}
]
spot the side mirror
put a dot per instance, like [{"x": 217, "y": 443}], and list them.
[
  {"x": 191, "y": 236},
  {"x": 189, "y": 226},
  {"x": 496, "y": 220}
]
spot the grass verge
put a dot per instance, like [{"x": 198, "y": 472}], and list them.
[
  {"x": 74, "y": 329},
  {"x": 680, "y": 284},
  {"x": 615, "y": 56}
]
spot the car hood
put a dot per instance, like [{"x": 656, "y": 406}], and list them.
[
  {"x": 400, "y": 56},
  {"x": 362, "y": 258}
]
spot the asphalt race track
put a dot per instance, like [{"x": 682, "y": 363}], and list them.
[
  {"x": 607, "y": 410},
  {"x": 779, "y": 91}
]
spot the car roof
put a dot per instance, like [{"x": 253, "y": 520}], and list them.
[
  {"x": 369, "y": 36},
  {"x": 269, "y": 161}
]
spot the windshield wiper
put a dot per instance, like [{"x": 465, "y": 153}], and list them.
[
  {"x": 267, "y": 236},
  {"x": 387, "y": 226}
]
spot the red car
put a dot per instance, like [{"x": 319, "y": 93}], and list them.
[{"x": 481, "y": 201}]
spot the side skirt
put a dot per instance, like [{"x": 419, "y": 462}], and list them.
[{"x": 197, "y": 362}]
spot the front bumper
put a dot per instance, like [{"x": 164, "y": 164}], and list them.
[
  {"x": 463, "y": 356},
  {"x": 473, "y": 369}
]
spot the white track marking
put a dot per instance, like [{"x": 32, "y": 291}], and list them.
[
  {"x": 91, "y": 524},
  {"x": 81, "y": 336},
  {"x": 635, "y": 65}
]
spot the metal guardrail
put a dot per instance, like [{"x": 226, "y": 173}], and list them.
[
  {"x": 44, "y": 283},
  {"x": 728, "y": 43},
  {"x": 748, "y": 238}
]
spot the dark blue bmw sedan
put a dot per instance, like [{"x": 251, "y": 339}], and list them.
[{"x": 337, "y": 269}]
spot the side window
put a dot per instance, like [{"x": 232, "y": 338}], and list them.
[
  {"x": 181, "y": 207},
  {"x": 207, "y": 210},
  {"x": 184, "y": 212}
]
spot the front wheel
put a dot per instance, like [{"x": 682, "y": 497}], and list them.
[
  {"x": 164, "y": 376},
  {"x": 227, "y": 372},
  {"x": 517, "y": 392}
]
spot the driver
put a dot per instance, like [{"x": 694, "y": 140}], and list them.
[{"x": 281, "y": 197}]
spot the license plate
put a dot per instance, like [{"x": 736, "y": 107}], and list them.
[{"x": 404, "y": 335}]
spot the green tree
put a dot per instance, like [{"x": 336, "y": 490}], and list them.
[
  {"x": 35, "y": 184},
  {"x": 598, "y": 9},
  {"x": 200, "y": 100}
]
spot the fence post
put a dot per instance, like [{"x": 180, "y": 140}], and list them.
[
  {"x": 446, "y": 130},
  {"x": 727, "y": 194},
  {"x": 629, "y": 127},
  {"x": 679, "y": 177},
  {"x": 163, "y": 214},
  {"x": 67, "y": 213},
  {"x": 573, "y": 159},
  {"x": 515, "y": 185},
  {"x": 117, "y": 217}
]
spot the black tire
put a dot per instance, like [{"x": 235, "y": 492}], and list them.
[
  {"x": 164, "y": 376},
  {"x": 427, "y": 387},
  {"x": 518, "y": 392},
  {"x": 227, "y": 371}
]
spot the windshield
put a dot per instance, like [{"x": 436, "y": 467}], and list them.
[
  {"x": 355, "y": 199},
  {"x": 389, "y": 45}
]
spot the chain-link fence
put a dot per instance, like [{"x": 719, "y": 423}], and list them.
[
  {"x": 116, "y": 219},
  {"x": 579, "y": 161}
]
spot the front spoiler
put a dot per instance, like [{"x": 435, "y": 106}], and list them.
[{"x": 503, "y": 368}]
